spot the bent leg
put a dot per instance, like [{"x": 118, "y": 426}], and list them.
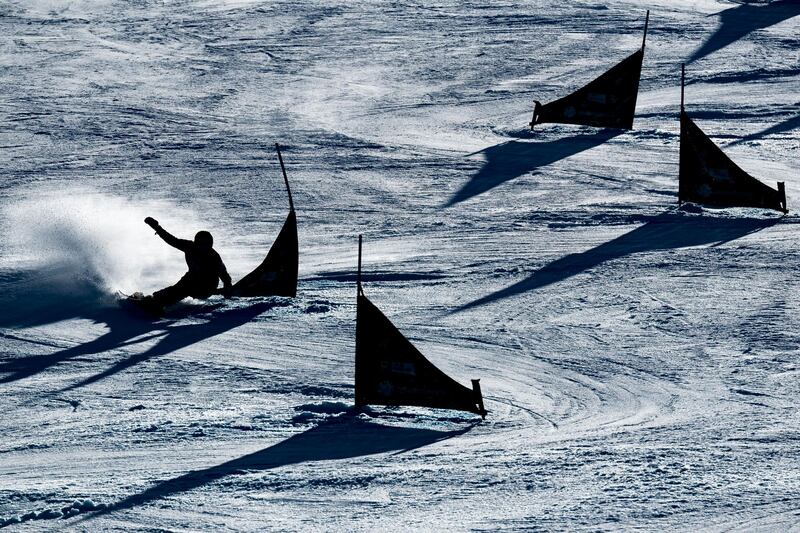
[{"x": 172, "y": 295}]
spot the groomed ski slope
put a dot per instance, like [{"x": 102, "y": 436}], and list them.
[{"x": 640, "y": 363}]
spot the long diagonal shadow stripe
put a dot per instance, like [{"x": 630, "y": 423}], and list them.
[
  {"x": 740, "y": 21},
  {"x": 126, "y": 331},
  {"x": 177, "y": 337},
  {"x": 122, "y": 332},
  {"x": 664, "y": 232},
  {"x": 341, "y": 438},
  {"x": 512, "y": 159},
  {"x": 782, "y": 127}
]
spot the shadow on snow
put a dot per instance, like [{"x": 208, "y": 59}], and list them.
[
  {"x": 663, "y": 232},
  {"x": 343, "y": 437},
  {"x": 175, "y": 337},
  {"x": 40, "y": 299},
  {"x": 740, "y": 21},
  {"x": 512, "y": 159},
  {"x": 782, "y": 127}
]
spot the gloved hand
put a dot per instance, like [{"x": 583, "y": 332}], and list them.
[
  {"x": 150, "y": 221},
  {"x": 227, "y": 292}
]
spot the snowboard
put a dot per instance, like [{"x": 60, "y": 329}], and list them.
[{"x": 141, "y": 303}]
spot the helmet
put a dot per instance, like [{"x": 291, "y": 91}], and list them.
[{"x": 204, "y": 239}]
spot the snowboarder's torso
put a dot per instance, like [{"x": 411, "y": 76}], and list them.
[{"x": 205, "y": 266}]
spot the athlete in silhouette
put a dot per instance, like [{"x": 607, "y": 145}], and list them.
[{"x": 205, "y": 270}]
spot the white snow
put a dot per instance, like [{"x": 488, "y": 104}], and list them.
[{"x": 640, "y": 363}]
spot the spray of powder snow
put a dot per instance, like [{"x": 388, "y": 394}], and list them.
[{"x": 99, "y": 240}]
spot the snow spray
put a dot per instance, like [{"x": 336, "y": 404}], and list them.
[{"x": 87, "y": 238}]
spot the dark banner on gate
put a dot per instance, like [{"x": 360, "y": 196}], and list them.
[
  {"x": 707, "y": 176},
  {"x": 607, "y": 102},
  {"x": 391, "y": 371},
  {"x": 277, "y": 274}
]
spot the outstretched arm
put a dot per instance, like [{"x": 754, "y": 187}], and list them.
[
  {"x": 225, "y": 277},
  {"x": 180, "y": 244}
]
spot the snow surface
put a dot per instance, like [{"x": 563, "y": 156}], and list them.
[{"x": 640, "y": 363}]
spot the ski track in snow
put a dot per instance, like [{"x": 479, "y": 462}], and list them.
[{"x": 639, "y": 363}]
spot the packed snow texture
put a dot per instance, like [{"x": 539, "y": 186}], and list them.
[{"x": 639, "y": 362}]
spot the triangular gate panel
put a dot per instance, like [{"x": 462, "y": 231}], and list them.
[
  {"x": 391, "y": 371},
  {"x": 607, "y": 102},
  {"x": 277, "y": 274},
  {"x": 707, "y": 176}
]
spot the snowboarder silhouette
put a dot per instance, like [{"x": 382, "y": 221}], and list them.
[{"x": 205, "y": 270}]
